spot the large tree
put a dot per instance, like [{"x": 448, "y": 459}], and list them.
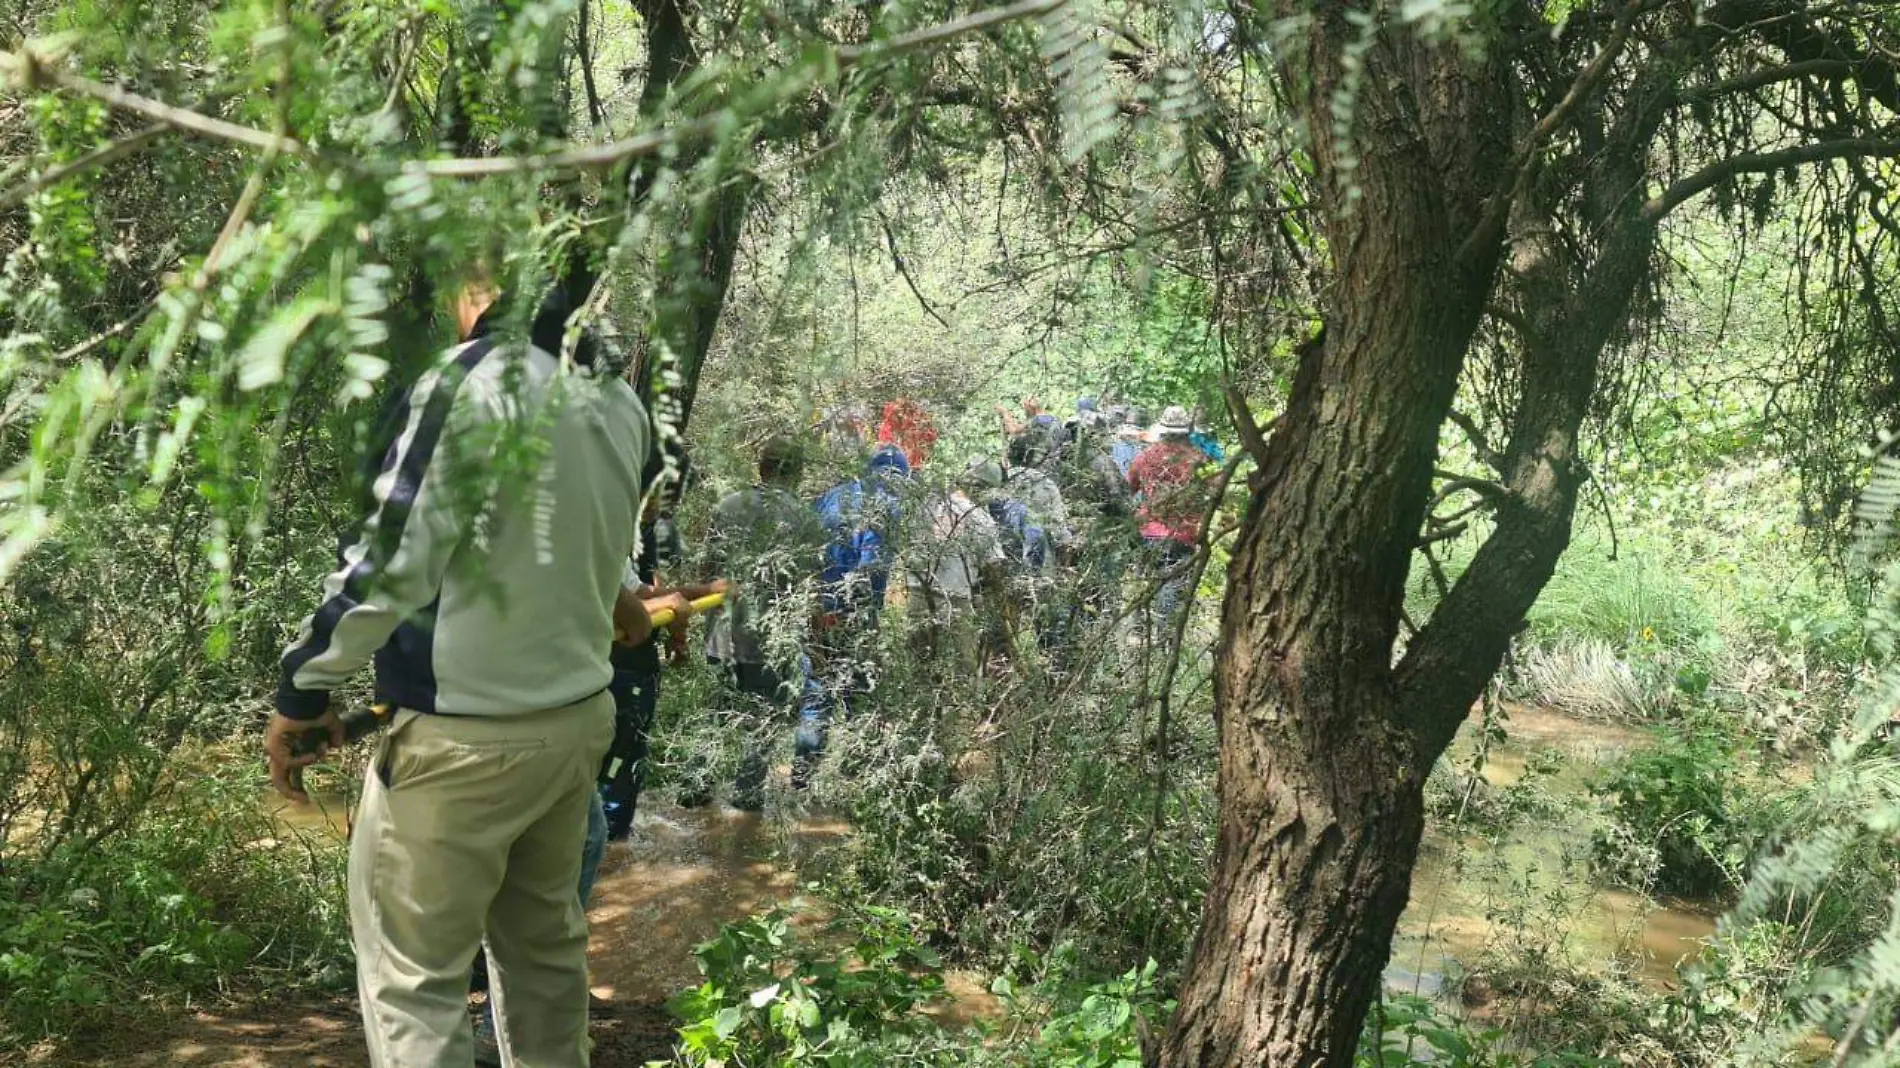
[{"x": 1489, "y": 187}]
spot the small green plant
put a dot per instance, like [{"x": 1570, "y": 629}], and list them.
[
  {"x": 194, "y": 895},
  {"x": 772, "y": 999},
  {"x": 1096, "y": 1025},
  {"x": 1740, "y": 981},
  {"x": 1405, "y": 1030},
  {"x": 1679, "y": 818}
]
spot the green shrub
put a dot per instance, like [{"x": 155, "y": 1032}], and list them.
[
  {"x": 1731, "y": 990},
  {"x": 192, "y": 896},
  {"x": 1638, "y": 600},
  {"x": 1680, "y": 818},
  {"x": 1023, "y": 812},
  {"x": 771, "y": 998},
  {"x": 1087, "y": 1025},
  {"x": 1404, "y": 1030}
]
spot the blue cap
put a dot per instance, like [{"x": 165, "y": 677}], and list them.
[
  {"x": 888, "y": 459},
  {"x": 1084, "y": 404}
]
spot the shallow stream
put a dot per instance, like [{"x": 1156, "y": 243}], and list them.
[
  {"x": 1530, "y": 889},
  {"x": 686, "y": 872}
]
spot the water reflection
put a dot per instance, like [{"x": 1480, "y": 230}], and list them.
[
  {"x": 1532, "y": 891},
  {"x": 686, "y": 872}
]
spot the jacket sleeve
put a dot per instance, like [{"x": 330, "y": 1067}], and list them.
[{"x": 395, "y": 566}]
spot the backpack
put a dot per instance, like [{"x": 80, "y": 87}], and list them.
[
  {"x": 1025, "y": 544},
  {"x": 857, "y": 559}
]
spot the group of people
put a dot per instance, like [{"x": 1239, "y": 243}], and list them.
[{"x": 510, "y": 623}]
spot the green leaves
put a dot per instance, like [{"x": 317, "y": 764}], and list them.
[
  {"x": 262, "y": 360},
  {"x": 1078, "y": 64},
  {"x": 770, "y": 999},
  {"x": 1407, "y": 1031}
]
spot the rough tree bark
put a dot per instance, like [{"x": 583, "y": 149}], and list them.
[
  {"x": 691, "y": 292},
  {"x": 1321, "y": 773}
]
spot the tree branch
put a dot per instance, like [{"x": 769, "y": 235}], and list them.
[
  {"x": 850, "y": 55},
  {"x": 1498, "y": 209},
  {"x": 30, "y": 72},
  {"x": 103, "y": 336},
  {"x": 897, "y": 260},
  {"x": 27, "y": 70},
  {"x": 1791, "y": 26},
  {"x": 1253, "y": 436},
  {"x": 1754, "y": 163},
  {"x": 98, "y": 157},
  {"x": 1767, "y": 76},
  {"x": 1446, "y": 534},
  {"x": 596, "y": 112},
  {"x": 1455, "y": 484},
  {"x": 1479, "y": 443}
]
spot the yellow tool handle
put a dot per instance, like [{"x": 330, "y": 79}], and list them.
[
  {"x": 665, "y": 615},
  {"x": 702, "y": 604}
]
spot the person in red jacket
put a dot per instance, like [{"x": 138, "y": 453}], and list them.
[
  {"x": 908, "y": 426},
  {"x": 1170, "y": 498}
]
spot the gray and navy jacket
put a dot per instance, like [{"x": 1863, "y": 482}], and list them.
[{"x": 478, "y": 594}]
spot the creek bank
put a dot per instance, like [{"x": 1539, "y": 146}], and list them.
[{"x": 1529, "y": 891}]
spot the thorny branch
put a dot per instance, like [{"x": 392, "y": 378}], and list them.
[
  {"x": 903, "y": 269},
  {"x": 98, "y": 157},
  {"x": 1760, "y": 162},
  {"x": 1517, "y": 174}
]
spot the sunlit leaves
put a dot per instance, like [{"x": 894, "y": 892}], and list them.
[
  {"x": 1078, "y": 63},
  {"x": 261, "y": 361},
  {"x": 172, "y": 442}
]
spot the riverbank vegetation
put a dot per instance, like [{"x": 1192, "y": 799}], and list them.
[{"x": 1548, "y": 578}]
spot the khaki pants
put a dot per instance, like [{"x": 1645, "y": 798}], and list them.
[{"x": 471, "y": 826}]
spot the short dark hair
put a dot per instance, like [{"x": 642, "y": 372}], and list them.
[{"x": 781, "y": 459}]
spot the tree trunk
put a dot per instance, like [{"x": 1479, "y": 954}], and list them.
[
  {"x": 1321, "y": 767},
  {"x": 1325, "y": 742}
]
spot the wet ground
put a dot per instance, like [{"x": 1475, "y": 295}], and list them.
[
  {"x": 685, "y": 873},
  {"x": 682, "y": 875}
]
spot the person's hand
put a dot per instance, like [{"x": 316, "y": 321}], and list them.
[
  {"x": 676, "y": 602},
  {"x": 1032, "y": 406},
  {"x": 718, "y": 586},
  {"x": 286, "y": 767}
]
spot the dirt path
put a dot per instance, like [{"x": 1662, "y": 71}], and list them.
[{"x": 682, "y": 875}]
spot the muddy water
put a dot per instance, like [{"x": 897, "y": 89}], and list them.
[
  {"x": 327, "y": 814},
  {"x": 682, "y": 875},
  {"x": 1532, "y": 890}
]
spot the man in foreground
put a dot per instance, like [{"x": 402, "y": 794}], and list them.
[{"x": 488, "y": 590}]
